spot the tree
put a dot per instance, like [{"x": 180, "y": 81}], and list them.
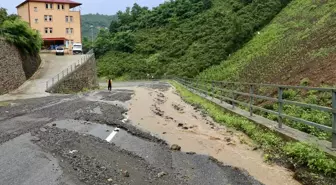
[
  {"x": 18, "y": 32},
  {"x": 124, "y": 41},
  {"x": 102, "y": 43},
  {"x": 114, "y": 26}
]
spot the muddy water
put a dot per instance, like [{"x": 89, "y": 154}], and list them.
[{"x": 165, "y": 114}]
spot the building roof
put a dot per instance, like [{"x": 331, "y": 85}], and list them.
[{"x": 70, "y": 2}]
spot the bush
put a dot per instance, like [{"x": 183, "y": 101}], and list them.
[
  {"x": 302, "y": 154},
  {"x": 18, "y": 32}
]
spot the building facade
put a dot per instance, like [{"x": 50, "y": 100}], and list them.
[{"x": 58, "y": 21}]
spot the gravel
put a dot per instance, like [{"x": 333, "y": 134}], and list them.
[{"x": 86, "y": 159}]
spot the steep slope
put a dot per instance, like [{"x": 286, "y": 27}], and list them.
[
  {"x": 182, "y": 37},
  {"x": 298, "y": 45},
  {"x": 97, "y": 21}
]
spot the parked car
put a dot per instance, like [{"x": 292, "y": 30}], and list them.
[
  {"x": 59, "y": 51},
  {"x": 77, "y": 48}
]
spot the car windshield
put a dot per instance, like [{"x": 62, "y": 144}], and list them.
[{"x": 59, "y": 48}]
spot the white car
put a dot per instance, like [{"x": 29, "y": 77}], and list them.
[
  {"x": 77, "y": 48},
  {"x": 59, "y": 51}
]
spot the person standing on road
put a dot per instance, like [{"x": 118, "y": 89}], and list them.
[{"x": 109, "y": 85}]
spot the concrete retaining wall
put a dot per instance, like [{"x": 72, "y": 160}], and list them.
[
  {"x": 84, "y": 77},
  {"x": 15, "y": 67}
]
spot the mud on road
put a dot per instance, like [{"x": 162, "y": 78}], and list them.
[
  {"x": 163, "y": 113},
  {"x": 61, "y": 140}
]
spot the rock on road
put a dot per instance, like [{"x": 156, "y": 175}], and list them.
[{"x": 61, "y": 140}]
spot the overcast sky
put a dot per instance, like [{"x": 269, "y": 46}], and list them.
[{"x": 108, "y": 7}]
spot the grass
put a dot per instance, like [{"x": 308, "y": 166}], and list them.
[
  {"x": 299, "y": 41},
  {"x": 317, "y": 116},
  {"x": 318, "y": 167}
]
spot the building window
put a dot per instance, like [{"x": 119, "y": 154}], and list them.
[
  {"x": 48, "y": 30},
  {"x": 68, "y": 18},
  {"x": 69, "y": 30},
  {"x": 60, "y": 6},
  {"x": 48, "y": 18},
  {"x": 35, "y": 9},
  {"x": 49, "y": 6},
  {"x": 36, "y": 20}
]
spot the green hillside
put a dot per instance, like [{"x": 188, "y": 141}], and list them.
[
  {"x": 298, "y": 45},
  {"x": 97, "y": 21},
  {"x": 182, "y": 37}
]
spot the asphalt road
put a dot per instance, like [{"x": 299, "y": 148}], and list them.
[
  {"x": 36, "y": 86},
  {"x": 87, "y": 139}
]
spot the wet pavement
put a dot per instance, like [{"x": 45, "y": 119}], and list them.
[{"x": 89, "y": 139}]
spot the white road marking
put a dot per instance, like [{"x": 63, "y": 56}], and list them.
[{"x": 111, "y": 136}]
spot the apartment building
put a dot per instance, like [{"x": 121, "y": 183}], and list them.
[{"x": 58, "y": 21}]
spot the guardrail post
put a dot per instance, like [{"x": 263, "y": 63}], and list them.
[
  {"x": 194, "y": 85},
  {"x": 46, "y": 85},
  {"x": 333, "y": 141},
  {"x": 213, "y": 89},
  {"x": 251, "y": 100},
  {"x": 233, "y": 96},
  {"x": 221, "y": 91},
  {"x": 280, "y": 109},
  {"x": 206, "y": 88}
]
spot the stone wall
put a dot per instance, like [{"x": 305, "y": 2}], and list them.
[
  {"x": 84, "y": 77},
  {"x": 15, "y": 67}
]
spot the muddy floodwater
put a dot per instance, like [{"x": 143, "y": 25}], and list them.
[{"x": 166, "y": 115}]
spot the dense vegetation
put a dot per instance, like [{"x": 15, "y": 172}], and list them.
[
  {"x": 182, "y": 37},
  {"x": 311, "y": 165},
  {"x": 18, "y": 32},
  {"x": 297, "y": 48},
  {"x": 98, "y": 21},
  {"x": 298, "y": 45}
]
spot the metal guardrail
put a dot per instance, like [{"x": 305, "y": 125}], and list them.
[
  {"x": 217, "y": 89},
  {"x": 86, "y": 57}
]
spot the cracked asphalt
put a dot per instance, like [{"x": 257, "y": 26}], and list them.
[{"x": 61, "y": 140}]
